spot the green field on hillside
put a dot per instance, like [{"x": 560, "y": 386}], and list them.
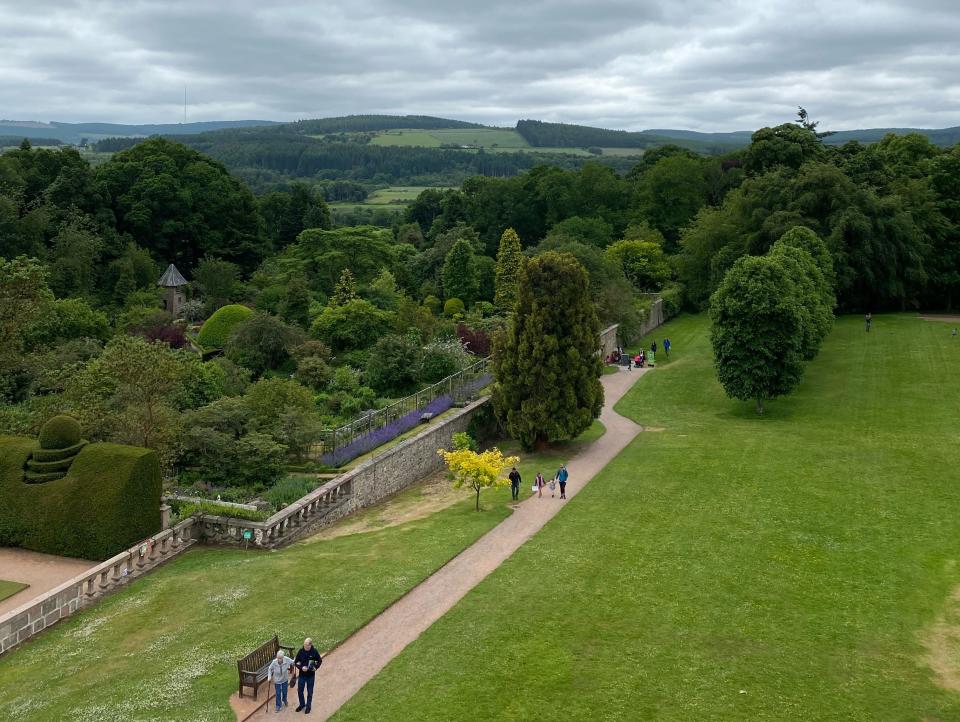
[
  {"x": 801, "y": 565},
  {"x": 472, "y": 137}
]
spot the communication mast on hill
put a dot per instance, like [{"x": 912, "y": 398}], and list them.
[{"x": 184, "y": 104}]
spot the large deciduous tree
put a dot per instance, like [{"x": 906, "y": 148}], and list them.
[
  {"x": 181, "y": 205},
  {"x": 24, "y": 299},
  {"x": 546, "y": 365},
  {"x": 758, "y": 330}
]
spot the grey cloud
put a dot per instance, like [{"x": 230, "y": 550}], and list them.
[{"x": 626, "y": 64}]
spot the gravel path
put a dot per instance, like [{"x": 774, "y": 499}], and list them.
[
  {"x": 42, "y": 572},
  {"x": 352, "y": 664}
]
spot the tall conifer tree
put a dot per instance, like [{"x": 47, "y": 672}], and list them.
[
  {"x": 547, "y": 366},
  {"x": 509, "y": 266}
]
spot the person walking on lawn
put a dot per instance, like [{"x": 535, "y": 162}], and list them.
[
  {"x": 666, "y": 347},
  {"x": 279, "y": 674},
  {"x": 307, "y": 662},
  {"x": 562, "y": 478},
  {"x": 515, "y": 480}
]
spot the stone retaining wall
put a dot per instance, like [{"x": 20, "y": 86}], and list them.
[
  {"x": 365, "y": 485},
  {"x": 608, "y": 340},
  {"x": 25, "y": 621}
]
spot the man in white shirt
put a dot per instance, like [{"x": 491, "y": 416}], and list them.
[{"x": 279, "y": 673}]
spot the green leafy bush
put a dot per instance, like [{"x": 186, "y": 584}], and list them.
[
  {"x": 441, "y": 359},
  {"x": 185, "y": 509},
  {"x": 289, "y": 489},
  {"x": 392, "y": 365},
  {"x": 108, "y": 501},
  {"x": 60, "y": 432},
  {"x": 453, "y": 307},
  {"x": 217, "y": 329}
]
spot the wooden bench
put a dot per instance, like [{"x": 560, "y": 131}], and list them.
[{"x": 253, "y": 667}]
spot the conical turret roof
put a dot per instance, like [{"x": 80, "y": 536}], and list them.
[{"x": 172, "y": 278}]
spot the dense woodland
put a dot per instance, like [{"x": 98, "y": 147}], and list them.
[{"x": 312, "y": 324}]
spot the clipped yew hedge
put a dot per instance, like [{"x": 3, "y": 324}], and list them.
[
  {"x": 217, "y": 329},
  {"x": 109, "y": 501}
]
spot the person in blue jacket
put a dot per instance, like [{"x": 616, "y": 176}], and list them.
[{"x": 562, "y": 478}]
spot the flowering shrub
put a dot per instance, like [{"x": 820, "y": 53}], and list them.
[
  {"x": 476, "y": 341},
  {"x": 370, "y": 441}
]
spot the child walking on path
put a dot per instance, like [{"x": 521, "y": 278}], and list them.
[{"x": 539, "y": 484}]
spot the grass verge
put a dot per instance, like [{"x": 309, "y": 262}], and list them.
[
  {"x": 795, "y": 566},
  {"x": 8, "y": 589}
]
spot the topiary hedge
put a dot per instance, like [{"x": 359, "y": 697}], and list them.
[
  {"x": 109, "y": 501},
  {"x": 60, "y": 432},
  {"x": 217, "y": 329},
  {"x": 43, "y": 455}
]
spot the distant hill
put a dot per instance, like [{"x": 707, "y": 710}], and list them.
[
  {"x": 944, "y": 137},
  {"x": 75, "y": 132},
  {"x": 539, "y": 133}
]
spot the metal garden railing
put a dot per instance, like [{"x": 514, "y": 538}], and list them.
[{"x": 346, "y": 442}]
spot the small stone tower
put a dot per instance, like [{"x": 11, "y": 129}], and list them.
[{"x": 173, "y": 282}]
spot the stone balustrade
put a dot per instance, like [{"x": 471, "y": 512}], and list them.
[
  {"x": 33, "y": 617},
  {"x": 366, "y": 484}
]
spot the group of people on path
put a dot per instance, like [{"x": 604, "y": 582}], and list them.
[
  {"x": 305, "y": 666},
  {"x": 539, "y": 483},
  {"x": 641, "y": 358}
]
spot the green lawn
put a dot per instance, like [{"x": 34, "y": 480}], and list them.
[
  {"x": 166, "y": 647},
  {"x": 729, "y": 566},
  {"x": 8, "y": 589}
]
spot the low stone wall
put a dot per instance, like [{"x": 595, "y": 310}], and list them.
[
  {"x": 370, "y": 482},
  {"x": 25, "y": 621}
]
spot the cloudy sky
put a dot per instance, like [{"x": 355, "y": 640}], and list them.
[{"x": 633, "y": 64}]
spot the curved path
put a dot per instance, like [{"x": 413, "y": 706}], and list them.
[{"x": 361, "y": 656}]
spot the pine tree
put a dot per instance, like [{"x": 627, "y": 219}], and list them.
[
  {"x": 345, "y": 290},
  {"x": 509, "y": 266},
  {"x": 547, "y": 366},
  {"x": 126, "y": 284},
  {"x": 296, "y": 305},
  {"x": 460, "y": 273}
]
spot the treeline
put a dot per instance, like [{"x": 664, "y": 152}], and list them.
[
  {"x": 292, "y": 155},
  {"x": 888, "y": 212},
  {"x": 564, "y": 135},
  {"x": 370, "y": 123},
  {"x": 103, "y": 231},
  {"x": 7, "y": 141},
  {"x": 115, "y": 145}
]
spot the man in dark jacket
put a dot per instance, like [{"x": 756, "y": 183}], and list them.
[
  {"x": 515, "y": 483},
  {"x": 307, "y": 662}
]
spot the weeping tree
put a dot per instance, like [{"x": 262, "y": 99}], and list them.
[{"x": 546, "y": 364}]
